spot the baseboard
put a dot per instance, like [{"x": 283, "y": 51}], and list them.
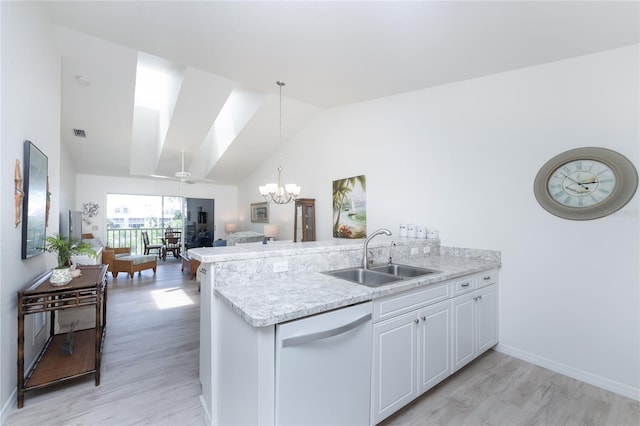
[
  {"x": 207, "y": 415},
  {"x": 583, "y": 376},
  {"x": 9, "y": 405}
]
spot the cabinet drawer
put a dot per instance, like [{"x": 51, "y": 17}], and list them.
[
  {"x": 463, "y": 285},
  {"x": 405, "y": 302},
  {"x": 487, "y": 278}
]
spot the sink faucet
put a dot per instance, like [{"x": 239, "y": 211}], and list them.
[
  {"x": 365, "y": 256},
  {"x": 393, "y": 244}
]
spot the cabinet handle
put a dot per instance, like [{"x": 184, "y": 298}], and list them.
[
  {"x": 424, "y": 318},
  {"x": 487, "y": 277},
  {"x": 417, "y": 321},
  {"x": 479, "y": 297},
  {"x": 465, "y": 284}
]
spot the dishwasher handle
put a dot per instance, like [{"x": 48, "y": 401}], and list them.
[{"x": 311, "y": 337}]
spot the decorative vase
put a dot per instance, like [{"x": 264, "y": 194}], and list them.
[{"x": 60, "y": 277}]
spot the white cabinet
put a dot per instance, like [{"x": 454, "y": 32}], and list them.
[
  {"x": 475, "y": 321},
  {"x": 434, "y": 338},
  {"x": 421, "y": 337},
  {"x": 395, "y": 367},
  {"x": 487, "y": 318},
  {"x": 464, "y": 336},
  {"x": 410, "y": 356}
]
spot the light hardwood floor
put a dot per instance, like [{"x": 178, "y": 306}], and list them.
[
  {"x": 150, "y": 376},
  {"x": 497, "y": 389},
  {"x": 149, "y": 364}
]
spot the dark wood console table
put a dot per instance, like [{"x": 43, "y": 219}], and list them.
[{"x": 52, "y": 366}]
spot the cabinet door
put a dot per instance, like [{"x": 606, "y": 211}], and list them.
[
  {"x": 435, "y": 343},
  {"x": 487, "y": 299},
  {"x": 394, "y": 381},
  {"x": 464, "y": 334}
]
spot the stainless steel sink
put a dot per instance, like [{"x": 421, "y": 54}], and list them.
[
  {"x": 364, "y": 276},
  {"x": 404, "y": 271}
]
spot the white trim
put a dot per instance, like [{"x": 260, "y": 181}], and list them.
[
  {"x": 8, "y": 409},
  {"x": 567, "y": 370},
  {"x": 207, "y": 415}
]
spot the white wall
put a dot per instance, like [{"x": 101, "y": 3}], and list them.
[
  {"x": 95, "y": 189},
  {"x": 67, "y": 189},
  {"x": 30, "y": 71},
  {"x": 462, "y": 158}
]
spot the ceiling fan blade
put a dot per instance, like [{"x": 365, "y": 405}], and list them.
[
  {"x": 162, "y": 177},
  {"x": 183, "y": 176}
]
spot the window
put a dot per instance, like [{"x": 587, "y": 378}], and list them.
[
  {"x": 116, "y": 223},
  {"x": 135, "y": 213},
  {"x": 136, "y": 222}
]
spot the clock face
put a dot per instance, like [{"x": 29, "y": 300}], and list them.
[
  {"x": 581, "y": 183},
  {"x": 585, "y": 183}
]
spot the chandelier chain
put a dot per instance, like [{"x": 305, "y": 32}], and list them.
[{"x": 279, "y": 193}]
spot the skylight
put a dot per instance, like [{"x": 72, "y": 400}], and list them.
[
  {"x": 152, "y": 88},
  {"x": 158, "y": 83},
  {"x": 237, "y": 111}
]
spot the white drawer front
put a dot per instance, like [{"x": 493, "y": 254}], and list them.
[
  {"x": 463, "y": 285},
  {"x": 487, "y": 278},
  {"x": 413, "y": 299}
]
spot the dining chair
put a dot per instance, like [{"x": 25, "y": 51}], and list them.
[
  {"x": 172, "y": 243},
  {"x": 149, "y": 247}
]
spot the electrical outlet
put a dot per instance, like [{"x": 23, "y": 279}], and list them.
[
  {"x": 281, "y": 266},
  {"x": 427, "y": 249},
  {"x": 414, "y": 250}
]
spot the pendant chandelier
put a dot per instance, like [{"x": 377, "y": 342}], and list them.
[{"x": 277, "y": 192}]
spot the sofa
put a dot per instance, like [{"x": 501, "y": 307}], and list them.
[
  {"x": 97, "y": 246},
  {"x": 244, "y": 237}
]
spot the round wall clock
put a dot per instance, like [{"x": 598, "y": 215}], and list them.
[{"x": 585, "y": 183}]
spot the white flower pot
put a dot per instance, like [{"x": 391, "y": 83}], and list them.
[{"x": 60, "y": 277}]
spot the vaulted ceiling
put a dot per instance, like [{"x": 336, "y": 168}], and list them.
[{"x": 222, "y": 61}]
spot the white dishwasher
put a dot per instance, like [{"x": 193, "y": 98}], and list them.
[{"x": 323, "y": 368}]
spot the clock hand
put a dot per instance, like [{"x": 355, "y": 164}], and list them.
[
  {"x": 578, "y": 191},
  {"x": 576, "y": 182},
  {"x": 593, "y": 180}
]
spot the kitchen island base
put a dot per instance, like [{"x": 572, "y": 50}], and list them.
[{"x": 247, "y": 296}]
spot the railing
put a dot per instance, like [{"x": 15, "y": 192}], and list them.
[{"x": 132, "y": 237}]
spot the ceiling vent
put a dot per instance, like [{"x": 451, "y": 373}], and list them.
[{"x": 79, "y": 133}]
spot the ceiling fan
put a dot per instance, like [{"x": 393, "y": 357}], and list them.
[{"x": 183, "y": 176}]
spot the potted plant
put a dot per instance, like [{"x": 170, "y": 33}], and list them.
[{"x": 65, "y": 248}]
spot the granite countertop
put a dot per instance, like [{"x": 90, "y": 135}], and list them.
[
  {"x": 253, "y": 251},
  {"x": 275, "y": 301}
]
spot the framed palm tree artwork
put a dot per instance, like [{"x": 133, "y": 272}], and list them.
[{"x": 350, "y": 207}]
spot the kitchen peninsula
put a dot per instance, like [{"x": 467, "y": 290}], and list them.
[{"x": 251, "y": 293}]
